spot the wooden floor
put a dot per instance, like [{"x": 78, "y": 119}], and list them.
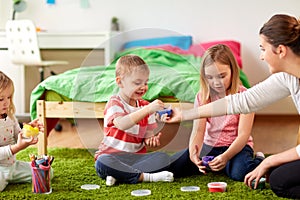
[{"x": 272, "y": 134}]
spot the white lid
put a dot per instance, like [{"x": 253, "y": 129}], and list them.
[
  {"x": 140, "y": 192},
  {"x": 90, "y": 186},
  {"x": 190, "y": 188}
]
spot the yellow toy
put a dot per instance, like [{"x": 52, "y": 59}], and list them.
[{"x": 29, "y": 131}]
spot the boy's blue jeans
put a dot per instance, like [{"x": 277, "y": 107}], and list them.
[
  {"x": 236, "y": 168},
  {"x": 127, "y": 167}
]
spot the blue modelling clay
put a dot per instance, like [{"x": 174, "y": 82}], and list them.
[
  {"x": 206, "y": 159},
  {"x": 164, "y": 111}
]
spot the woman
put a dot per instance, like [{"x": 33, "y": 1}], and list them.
[{"x": 280, "y": 48}]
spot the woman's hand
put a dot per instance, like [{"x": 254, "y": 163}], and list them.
[
  {"x": 175, "y": 117},
  {"x": 218, "y": 163},
  {"x": 256, "y": 174}
]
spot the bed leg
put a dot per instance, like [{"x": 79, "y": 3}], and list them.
[{"x": 42, "y": 143}]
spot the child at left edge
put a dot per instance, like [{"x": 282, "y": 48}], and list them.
[{"x": 11, "y": 138}]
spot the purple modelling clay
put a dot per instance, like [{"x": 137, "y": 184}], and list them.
[
  {"x": 206, "y": 159},
  {"x": 164, "y": 111}
]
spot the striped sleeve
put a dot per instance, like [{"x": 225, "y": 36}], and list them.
[{"x": 113, "y": 109}]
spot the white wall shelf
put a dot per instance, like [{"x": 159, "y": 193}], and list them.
[{"x": 52, "y": 40}]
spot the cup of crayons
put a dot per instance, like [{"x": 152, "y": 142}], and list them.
[{"x": 40, "y": 168}]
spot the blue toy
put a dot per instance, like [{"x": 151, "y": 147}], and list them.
[{"x": 164, "y": 111}]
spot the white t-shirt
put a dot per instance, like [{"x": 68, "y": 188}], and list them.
[
  {"x": 9, "y": 130},
  {"x": 274, "y": 88}
]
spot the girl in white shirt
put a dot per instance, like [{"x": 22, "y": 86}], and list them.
[
  {"x": 11, "y": 138},
  {"x": 280, "y": 48}
]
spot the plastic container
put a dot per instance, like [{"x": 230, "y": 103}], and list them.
[
  {"x": 139, "y": 193},
  {"x": 190, "y": 188},
  {"x": 260, "y": 185},
  {"x": 41, "y": 179},
  {"x": 29, "y": 131},
  {"x": 217, "y": 186}
]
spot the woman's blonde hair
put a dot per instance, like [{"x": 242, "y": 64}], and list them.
[
  {"x": 6, "y": 82},
  {"x": 222, "y": 54}
]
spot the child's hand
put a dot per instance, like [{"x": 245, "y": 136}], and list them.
[
  {"x": 194, "y": 156},
  {"x": 155, "y": 106},
  {"x": 153, "y": 141},
  {"x": 37, "y": 123},
  {"x": 22, "y": 143},
  {"x": 25, "y": 142},
  {"x": 218, "y": 163}
]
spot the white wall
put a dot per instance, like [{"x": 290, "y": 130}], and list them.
[{"x": 205, "y": 20}]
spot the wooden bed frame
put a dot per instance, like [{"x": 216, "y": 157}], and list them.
[{"x": 55, "y": 109}]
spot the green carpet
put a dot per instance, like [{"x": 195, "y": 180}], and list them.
[{"x": 75, "y": 167}]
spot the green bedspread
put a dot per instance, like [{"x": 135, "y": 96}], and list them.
[{"x": 170, "y": 75}]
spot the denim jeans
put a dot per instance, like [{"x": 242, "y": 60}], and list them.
[
  {"x": 128, "y": 167},
  {"x": 236, "y": 168}
]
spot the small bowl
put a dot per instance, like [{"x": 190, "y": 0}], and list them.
[{"x": 217, "y": 186}]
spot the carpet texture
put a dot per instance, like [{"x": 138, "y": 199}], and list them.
[{"x": 75, "y": 167}]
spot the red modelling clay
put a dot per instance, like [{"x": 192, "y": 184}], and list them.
[
  {"x": 217, "y": 186},
  {"x": 216, "y": 189}
]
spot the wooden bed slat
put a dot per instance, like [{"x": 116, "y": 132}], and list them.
[
  {"x": 74, "y": 110},
  {"x": 55, "y": 109}
]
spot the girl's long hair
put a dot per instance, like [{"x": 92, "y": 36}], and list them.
[{"x": 222, "y": 54}]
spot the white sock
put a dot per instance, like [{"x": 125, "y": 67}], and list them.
[
  {"x": 110, "y": 180},
  {"x": 164, "y": 176},
  {"x": 260, "y": 154}
]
